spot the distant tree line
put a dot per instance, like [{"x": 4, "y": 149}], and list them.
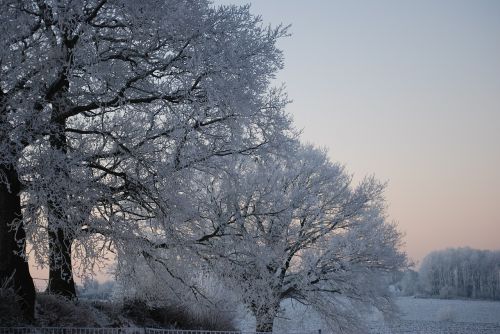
[{"x": 456, "y": 273}]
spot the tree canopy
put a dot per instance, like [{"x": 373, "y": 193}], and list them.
[{"x": 294, "y": 227}]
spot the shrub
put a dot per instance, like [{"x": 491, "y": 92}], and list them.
[
  {"x": 10, "y": 311},
  {"x": 201, "y": 317},
  {"x": 178, "y": 316},
  {"x": 54, "y": 310}
]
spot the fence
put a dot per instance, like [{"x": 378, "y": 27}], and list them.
[{"x": 125, "y": 330}]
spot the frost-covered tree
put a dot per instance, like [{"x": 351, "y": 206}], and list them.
[
  {"x": 107, "y": 104},
  {"x": 14, "y": 270},
  {"x": 462, "y": 273},
  {"x": 294, "y": 227}
]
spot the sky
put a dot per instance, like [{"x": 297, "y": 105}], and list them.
[{"x": 408, "y": 91}]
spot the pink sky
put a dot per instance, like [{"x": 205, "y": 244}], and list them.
[{"x": 408, "y": 91}]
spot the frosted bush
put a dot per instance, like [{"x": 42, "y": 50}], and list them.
[{"x": 54, "y": 310}]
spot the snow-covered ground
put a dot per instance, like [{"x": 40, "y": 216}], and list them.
[
  {"x": 471, "y": 311},
  {"x": 423, "y": 316}
]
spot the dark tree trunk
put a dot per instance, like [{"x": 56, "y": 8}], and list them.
[
  {"x": 60, "y": 267},
  {"x": 264, "y": 325},
  {"x": 60, "y": 238},
  {"x": 14, "y": 268},
  {"x": 264, "y": 318}
]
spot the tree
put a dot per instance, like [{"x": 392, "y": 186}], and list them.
[
  {"x": 461, "y": 272},
  {"x": 14, "y": 269},
  {"x": 293, "y": 227},
  {"x": 115, "y": 102}
]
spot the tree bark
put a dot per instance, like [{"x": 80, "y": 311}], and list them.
[
  {"x": 14, "y": 268},
  {"x": 60, "y": 238},
  {"x": 60, "y": 267},
  {"x": 264, "y": 318}
]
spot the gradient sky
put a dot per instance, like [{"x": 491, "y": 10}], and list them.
[{"x": 408, "y": 91}]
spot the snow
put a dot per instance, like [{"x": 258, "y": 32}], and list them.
[
  {"x": 470, "y": 311},
  {"x": 418, "y": 315},
  {"x": 432, "y": 327}
]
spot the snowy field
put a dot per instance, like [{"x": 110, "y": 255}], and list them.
[
  {"x": 470, "y": 311},
  {"x": 423, "y": 316},
  {"x": 443, "y": 316}
]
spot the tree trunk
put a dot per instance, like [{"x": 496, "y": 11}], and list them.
[
  {"x": 60, "y": 267},
  {"x": 14, "y": 268},
  {"x": 60, "y": 238},
  {"x": 59, "y": 228},
  {"x": 264, "y": 318}
]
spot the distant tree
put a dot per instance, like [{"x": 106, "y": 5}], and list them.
[
  {"x": 461, "y": 272},
  {"x": 93, "y": 289},
  {"x": 293, "y": 227}
]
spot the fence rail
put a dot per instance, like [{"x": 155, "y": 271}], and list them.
[
  {"x": 69, "y": 330},
  {"x": 123, "y": 330}
]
